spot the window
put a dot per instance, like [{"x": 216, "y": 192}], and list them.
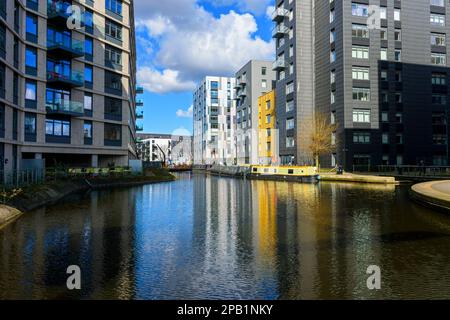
[
  {"x": 437, "y": 3},
  {"x": 398, "y": 55},
  {"x": 383, "y": 13},
  {"x": 361, "y": 137},
  {"x": 88, "y": 46},
  {"x": 437, "y": 20},
  {"x": 439, "y": 99},
  {"x": 268, "y": 119},
  {"x": 264, "y": 83},
  {"x": 113, "y": 109},
  {"x": 361, "y": 116},
  {"x": 31, "y": 27},
  {"x": 360, "y": 73},
  {"x": 383, "y": 34},
  {"x": 383, "y": 75},
  {"x": 398, "y": 76},
  {"x": 332, "y": 36},
  {"x": 438, "y": 39},
  {"x": 31, "y": 57},
  {"x": 88, "y": 74},
  {"x": 290, "y": 143},
  {"x": 87, "y": 101},
  {"x": 385, "y": 138},
  {"x": 30, "y": 90},
  {"x": 439, "y": 79},
  {"x": 333, "y": 56},
  {"x": 114, "y": 6},
  {"x": 113, "y": 134},
  {"x": 290, "y": 106},
  {"x": 361, "y": 94},
  {"x": 113, "y": 30},
  {"x": 360, "y": 10},
  {"x": 360, "y": 31},
  {"x": 2, "y": 120},
  {"x": 113, "y": 55},
  {"x": 30, "y": 125},
  {"x": 438, "y": 59},
  {"x": 60, "y": 128},
  {"x": 332, "y": 76},
  {"x": 384, "y": 117},
  {"x": 87, "y": 129},
  {"x": 290, "y": 124},
  {"x": 397, "y": 15},
  {"x": 267, "y": 104},
  {"x": 89, "y": 20},
  {"x": 289, "y": 87},
  {"x": 398, "y": 35},
  {"x": 333, "y": 117},
  {"x": 332, "y": 16},
  {"x": 360, "y": 52},
  {"x": 3, "y": 40},
  {"x": 383, "y": 54},
  {"x": 263, "y": 71}
]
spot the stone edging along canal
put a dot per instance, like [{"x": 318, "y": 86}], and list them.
[
  {"x": 38, "y": 196},
  {"x": 434, "y": 194}
]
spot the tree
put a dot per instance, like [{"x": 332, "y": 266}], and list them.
[
  {"x": 321, "y": 137},
  {"x": 163, "y": 153}
]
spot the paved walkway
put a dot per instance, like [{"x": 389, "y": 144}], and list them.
[{"x": 435, "y": 193}]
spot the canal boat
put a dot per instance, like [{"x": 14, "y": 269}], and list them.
[{"x": 307, "y": 174}]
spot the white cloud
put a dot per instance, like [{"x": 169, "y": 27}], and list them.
[
  {"x": 181, "y": 131},
  {"x": 269, "y": 11},
  {"x": 163, "y": 82},
  {"x": 257, "y": 7},
  {"x": 192, "y": 43},
  {"x": 185, "y": 113}
]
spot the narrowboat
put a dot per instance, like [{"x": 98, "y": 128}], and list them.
[{"x": 307, "y": 174}]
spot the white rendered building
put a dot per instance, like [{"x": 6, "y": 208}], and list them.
[{"x": 214, "y": 122}]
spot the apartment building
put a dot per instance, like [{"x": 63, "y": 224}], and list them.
[
  {"x": 155, "y": 147},
  {"x": 268, "y": 132},
  {"x": 67, "y": 82},
  {"x": 214, "y": 122},
  {"x": 381, "y": 73},
  {"x": 252, "y": 80}
]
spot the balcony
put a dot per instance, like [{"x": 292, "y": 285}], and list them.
[
  {"x": 75, "y": 79},
  {"x": 280, "y": 31},
  {"x": 279, "y": 14},
  {"x": 139, "y": 103},
  {"x": 139, "y": 90},
  {"x": 65, "y": 107},
  {"x": 279, "y": 64},
  {"x": 139, "y": 127},
  {"x": 140, "y": 114},
  {"x": 57, "y": 11},
  {"x": 66, "y": 48},
  {"x": 243, "y": 93},
  {"x": 242, "y": 82}
]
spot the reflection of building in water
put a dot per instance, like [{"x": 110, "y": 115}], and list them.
[
  {"x": 266, "y": 218},
  {"x": 94, "y": 236}
]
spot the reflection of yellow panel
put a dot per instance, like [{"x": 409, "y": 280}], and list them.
[
  {"x": 305, "y": 171},
  {"x": 267, "y": 219},
  {"x": 263, "y": 126}
]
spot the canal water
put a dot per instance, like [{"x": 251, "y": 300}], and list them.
[{"x": 204, "y": 237}]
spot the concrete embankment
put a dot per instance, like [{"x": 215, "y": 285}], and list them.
[
  {"x": 434, "y": 194},
  {"x": 356, "y": 178},
  {"x": 231, "y": 171},
  {"x": 8, "y": 214}
]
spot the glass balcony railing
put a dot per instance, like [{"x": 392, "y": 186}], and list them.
[
  {"x": 66, "y": 46},
  {"x": 279, "y": 14},
  {"x": 139, "y": 90},
  {"x": 279, "y": 64},
  {"x": 139, "y": 114},
  {"x": 67, "y": 107},
  {"x": 139, "y": 127},
  {"x": 139, "y": 103},
  {"x": 279, "y": 31},
  {"x": 74, "y": 79},
  {"x": 58, "y": 9}
]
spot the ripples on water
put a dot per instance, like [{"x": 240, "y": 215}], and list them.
[{"x": 218, "y": 238}]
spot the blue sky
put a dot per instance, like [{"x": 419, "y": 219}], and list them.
[{"x": 181, "y": 41}]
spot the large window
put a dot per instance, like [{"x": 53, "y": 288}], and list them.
[
  {"x": 113, "y": 134},
  {"x": 361, "y": 94},
  {"x": 31, "y": 59},
  {"x": 30, "y": 93},
  {"x": 87, "y": 132},
  {"x": 113, "y": 55},
  {"x": 360, "y": 31},
  {"x": 59, "y": 128},
  {"x": 438, "y": 59},
  {"x": 113, "y": 83},
  {"x": 113, "y": 30},
  {"x": 31, "y": 27},
  {"x": 438, "y": 39},
  {"x": 360, "y": 73},
  {"x": 360, "y": 10},
  {"x": 88, "y": 74},
  {"x": 290, "y": 124},
  {"x": 88, "y": 46},
  {"x": 437, "y": 20},
  {"x": 360, "y": 52},
  {"x": 114, "y": 6},
  {"x": 30, "y": 126},
  {"x": 439, "y": 79},
  {"x": 361, "y": 116},
  {"x": 361, "y": 137},
  {"x": 113, "y": 109}
]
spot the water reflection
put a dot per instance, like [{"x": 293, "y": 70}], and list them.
[{"x": 211, "y": 237}]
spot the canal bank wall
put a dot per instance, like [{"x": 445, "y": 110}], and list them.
[
  {"x": 8, "y": 214},
  {"x": 433, "y": 194}
]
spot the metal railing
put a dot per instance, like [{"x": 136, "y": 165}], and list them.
[
  {"x": 17, "y": 179},
  {"x": 404, "y": 170}
]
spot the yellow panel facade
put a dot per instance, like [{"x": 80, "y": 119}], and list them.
[{"x": 268, "y": 137}]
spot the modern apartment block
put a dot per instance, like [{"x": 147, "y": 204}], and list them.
[
  {"x": 268, "y": 153},
  {"x": 67, "y": 82},
  {"x": 214, "y": 121},
  {"x": 253, "y": 80},
  {"x": 155, "y": 147},
  {"x": 378, "y": 68}
]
